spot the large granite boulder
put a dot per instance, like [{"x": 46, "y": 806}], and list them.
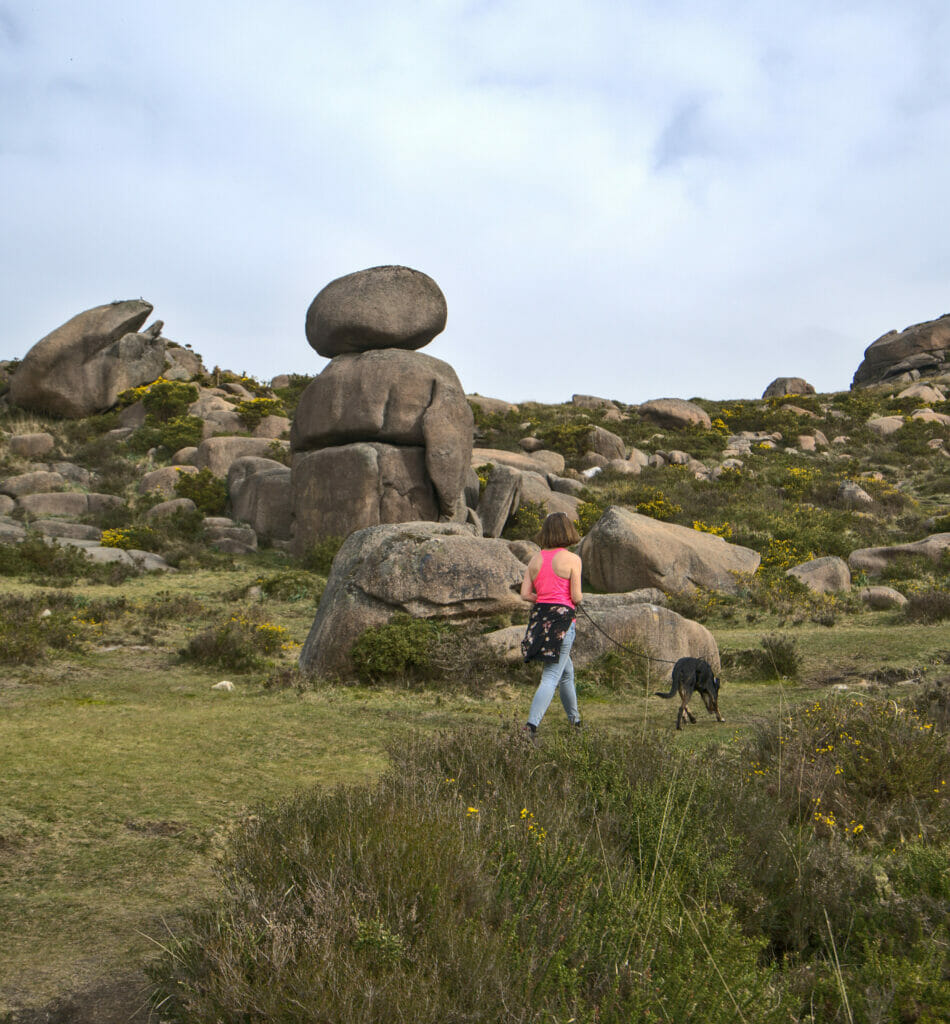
[
  {"x": 923, "y": 347},
  {"x": 383, "y": 307},
  {"x": 354, "y": 486},
  {"x": 80, "y": 368},
  {"x": 427, "y": 570},
  {"x": 260, "y": 493},
  {"x": 675, "y": 413},
  {"x": 219, "y": 453},
  {"x": 625, "y": 551},
  {"x": 874, "y": 561}
]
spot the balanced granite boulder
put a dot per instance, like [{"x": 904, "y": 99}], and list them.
[
  {"x": 426, "y": 570},
  {"x": 923, "y": 347},
  {"x": 626, "y": 551},
  {"x": 80, "y": 368},
  {"x": 383, "y": 307}
]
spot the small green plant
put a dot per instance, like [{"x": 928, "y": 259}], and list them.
[
  {"x": 780, "y": 655},
  {"x": 180, "y": 432},
  {"x": 207, "y": 491}
]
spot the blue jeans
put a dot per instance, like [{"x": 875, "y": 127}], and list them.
[{"x": 557, "y": 675}]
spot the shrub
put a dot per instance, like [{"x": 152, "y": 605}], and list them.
[
  {"x": 291, "y": 585},
  {"x": 588, "y": 513},
  {"x": 45, "y": 563},
  {"x": 780, "y": 655},
  {"x": 165, "y": 400},
  {"x": 321, "y": 554},
  {"x": 928, "y": 606},
  {"x": 290, "y": 395},
  {"x": 181, "y": 432},
  {"x": 526, "y": 522},
  {"x": 208, "y": 492},
  {"x": 31, "y": 626},
  {"x": 138, "y": 537},
  {"x": 256, "y": 409},
  {"x": 570, "y": 439},
  {"x": 385, "y": 654},
  {"x": 239, "y": 644}
]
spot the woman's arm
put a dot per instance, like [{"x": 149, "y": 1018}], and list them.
[
  {"x": 528, "y": 592},
  {"x": 577, "y": 594}
]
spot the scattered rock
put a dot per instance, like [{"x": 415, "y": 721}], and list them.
[
  {"x": 882, "y": 598},
  {"x": 921, "y": 347},
  {"x": 874, "y": 560},
  {"x": 675, "y": 413},
  {"x": 828, "y": 575},
  {"x": 852, "y": 495},
  {"x": 81, "y": 367},
  {"x": 31, "y": 446}
]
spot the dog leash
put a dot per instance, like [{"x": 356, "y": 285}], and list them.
[{"x": 623, "y": 647}]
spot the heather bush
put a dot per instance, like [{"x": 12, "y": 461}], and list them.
[{"x": 241, "y": 643}]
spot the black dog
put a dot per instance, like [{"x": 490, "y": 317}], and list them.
[{"x": 691, "y": 675}]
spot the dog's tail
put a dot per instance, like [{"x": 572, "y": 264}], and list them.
[{"x": 659, "y": 693}]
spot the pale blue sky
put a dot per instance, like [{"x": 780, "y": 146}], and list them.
[{"x": 634, "y": 200}]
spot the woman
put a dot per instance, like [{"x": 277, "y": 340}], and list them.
[{"x": 552, "y": 582}]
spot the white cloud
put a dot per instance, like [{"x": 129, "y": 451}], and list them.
[{"x": 673, "y": 198}]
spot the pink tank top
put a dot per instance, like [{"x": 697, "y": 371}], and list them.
[{"x": 551, "y": 588}]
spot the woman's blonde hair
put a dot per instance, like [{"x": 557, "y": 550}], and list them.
[{"x": 558, "y": 532}]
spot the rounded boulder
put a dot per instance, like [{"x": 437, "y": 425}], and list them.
[{"x": 383, "y": 307}]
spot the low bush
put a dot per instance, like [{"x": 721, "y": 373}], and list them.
[
  {"x": 48, "y": 564},
  {"x": 395, "y": 651},
  {"x": 928, "y": 606},
  {"x": 31, "y": 626},
  {"x": 241, "y": 643},
  {"x": 526, "y": 522}
]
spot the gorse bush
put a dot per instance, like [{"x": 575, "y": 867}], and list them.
[
  {"x": 526, "y": 521},
  {"x": 208, "y": 492},
  {"x": 256, "y": 409},
  {"x": 32, "y": 626},
  {"x": 241, "y": 643}
]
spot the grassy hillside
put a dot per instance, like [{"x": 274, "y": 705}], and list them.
[{"x": 715, "y": 874}]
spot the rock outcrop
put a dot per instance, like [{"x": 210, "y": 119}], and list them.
[
  {"x": 427, "y": 570},
  {"x": 81, "y": 367},
  {"x": 625, "y": 551},
  {"x": 920, "y": 348},
  {"x": 782, "y": 386}
]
